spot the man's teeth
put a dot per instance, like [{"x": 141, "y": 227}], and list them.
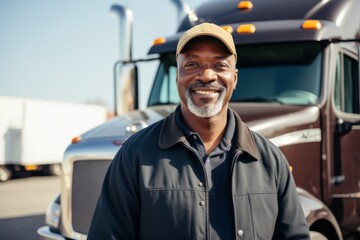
[{"x": 204, "y": 92}]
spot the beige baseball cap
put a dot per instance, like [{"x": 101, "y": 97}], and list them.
[{"x": 207, "y": 29}]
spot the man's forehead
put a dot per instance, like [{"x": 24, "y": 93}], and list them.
[{"x": 195, "y": 54}]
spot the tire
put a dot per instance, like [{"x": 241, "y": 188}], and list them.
[
  {"x": 5, "y": 174},
  {"x": 317, "y": 236},
  {"x": 53, "y": 170}
]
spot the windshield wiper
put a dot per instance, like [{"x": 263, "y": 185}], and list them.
[{"x": 260, "y": 99}]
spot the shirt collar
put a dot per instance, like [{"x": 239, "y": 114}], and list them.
[
  {"x": 171, "y": 134},
  {"x": 225, "y": 144}
]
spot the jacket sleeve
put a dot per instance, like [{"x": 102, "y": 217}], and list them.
[
  {"x": 117, "y": 212},
  {"x": 291, "y": 222}
]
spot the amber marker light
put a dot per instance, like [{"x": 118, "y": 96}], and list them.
[
  {"x": 76, "y": 140},
  {"x": 245, "y": 5},
  {"x": 246, "y": 29},
  {"x": 228, "y": 29},
  {"x": 291, "y": 168},
  {"x": 31, "y": 167},
  {"x": 311, "y": 24},
  {"x": 159, "y": 41}
]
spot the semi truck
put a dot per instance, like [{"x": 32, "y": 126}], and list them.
[
  {"x": 298, "y": 85},
  {"x": 34, "y": 133}
]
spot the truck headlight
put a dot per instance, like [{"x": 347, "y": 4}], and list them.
[{"x": 52, "y": 217}]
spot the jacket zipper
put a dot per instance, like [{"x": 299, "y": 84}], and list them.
[
  {"x": 206, "y": 189},
  {"x": 236, "y": 155}
]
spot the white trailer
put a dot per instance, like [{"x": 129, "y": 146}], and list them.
[{"x": 35, "y": 133}]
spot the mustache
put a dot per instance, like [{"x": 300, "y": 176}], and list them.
[{"x": 213, "y": 85}]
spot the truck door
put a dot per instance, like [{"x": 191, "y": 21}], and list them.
[{"x": 345, "y": 181}]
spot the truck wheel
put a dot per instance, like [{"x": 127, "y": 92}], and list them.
[
  {"x": 317, "y": 236},
  {"x": 53, "y": 170},
  {"x": 5, "y": 174}
]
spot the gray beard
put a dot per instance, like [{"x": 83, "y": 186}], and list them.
[{"x": 205, "y": 111}]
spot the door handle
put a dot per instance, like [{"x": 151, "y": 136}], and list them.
[{"x": 337, "y": 179}]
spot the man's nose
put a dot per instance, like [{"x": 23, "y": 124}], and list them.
[{"x": 208, "y": 74}]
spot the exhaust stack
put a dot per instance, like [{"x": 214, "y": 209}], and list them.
[
  {"x": 125, "y": 86},
  {"x": 183, "y": 9},
  {"x": 125, "y": 16}
]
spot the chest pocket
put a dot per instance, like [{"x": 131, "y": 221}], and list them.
[
  {"x": 256, "y": 215},
  {"x": 172, "y": 199}
]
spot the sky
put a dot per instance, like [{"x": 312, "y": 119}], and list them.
[{"x": 65, "y": 50}]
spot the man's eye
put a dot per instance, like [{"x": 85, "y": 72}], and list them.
[
  {"x": 191, "y": 65},
  {"x": 221, "y": 65}
]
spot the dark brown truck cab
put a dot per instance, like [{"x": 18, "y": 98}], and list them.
[{"x": 298, "y": 85}]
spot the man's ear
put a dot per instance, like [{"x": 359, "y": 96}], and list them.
[{"x": 236, "y": 78}]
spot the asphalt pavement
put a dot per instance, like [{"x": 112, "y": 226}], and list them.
[{"x": 23, "y": 203}]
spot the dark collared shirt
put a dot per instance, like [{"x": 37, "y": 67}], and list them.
[{"x": 218, "y": 170}]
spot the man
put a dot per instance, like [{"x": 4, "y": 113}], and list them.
[{"x": 200, "y": 173}]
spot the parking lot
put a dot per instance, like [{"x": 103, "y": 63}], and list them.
[{"x": 23, "y": 204}]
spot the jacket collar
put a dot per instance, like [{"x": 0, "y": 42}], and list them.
[{"x": 171, "y": 134}]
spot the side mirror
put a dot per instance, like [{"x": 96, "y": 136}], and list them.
[
  {"x": 126, "y": 84},
  {"x": 126, "y": 94}
]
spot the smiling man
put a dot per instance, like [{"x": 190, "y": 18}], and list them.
[
  {"x": 207, "y": 71},
  {"x": 201, "y": 173}
]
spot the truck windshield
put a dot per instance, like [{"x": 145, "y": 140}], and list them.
[{"x": 284, "y": 73}]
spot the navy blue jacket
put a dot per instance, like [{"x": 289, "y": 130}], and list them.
[{"x": 156, "y": 188}]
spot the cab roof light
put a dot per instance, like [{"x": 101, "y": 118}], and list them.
[
  {"x": 245, "y": 5},
  {"x": 159, "y": 41},
  {"x": 228, "y": 28},
  {"x": 311, "y": 25},
  {"x": 246, "y": 29},
  {"x": 76, "y": 139}
]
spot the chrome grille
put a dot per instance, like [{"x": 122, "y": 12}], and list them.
[{"x": 88, "y": 176}]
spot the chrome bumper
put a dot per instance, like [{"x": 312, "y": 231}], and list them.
[{"x": 45, "y": 234}]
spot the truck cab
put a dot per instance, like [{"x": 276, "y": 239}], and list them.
[{"x": 298, "y": 85}]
